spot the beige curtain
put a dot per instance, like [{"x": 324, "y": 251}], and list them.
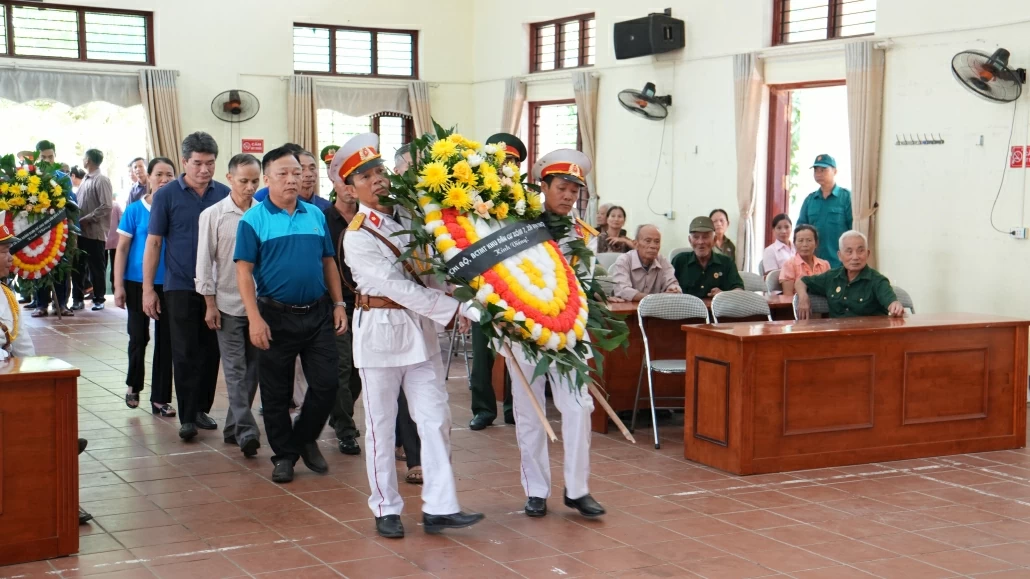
[
  {"x": 585, "y": 86},
  {"x": 160, "y": 96},
  {"x": 418, "y": 97},
  {"x": 302, "y": 113},
  {"x": 514, "y": 100},
  {"x": 747, "y": 95},
  {"x": 865, "y": 71}
]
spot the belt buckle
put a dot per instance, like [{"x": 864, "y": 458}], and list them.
[{"x": 300, "y": 309}]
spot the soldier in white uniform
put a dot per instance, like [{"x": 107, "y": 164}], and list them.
[
  {"x": 14, "y": 342},
  {"x": 561, "y": 176},
  {"x": 397, "y": 316}
]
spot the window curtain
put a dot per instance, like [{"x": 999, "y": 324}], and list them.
[
  {"x": 160, "y": 96},
  {"x": 302, "y": 125},
  {"x": 418, "y": 96},
  {"x": 585, "y": 86},
  {"x": 362, "y": 102},
  {"x": 514, "y": 101},
  {"x": 747, "y": 96},
  {"x": 72, "y": 89},
  {"x": 865, "y": 72}
]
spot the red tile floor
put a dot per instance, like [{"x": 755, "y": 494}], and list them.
[{"x": 168, "y": 509}]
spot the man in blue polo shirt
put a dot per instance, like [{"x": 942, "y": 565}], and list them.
[
  {"x": 175, "y": 223},
  {"x": 828, "y": 209},
  {"x": 284, "y": 266}
]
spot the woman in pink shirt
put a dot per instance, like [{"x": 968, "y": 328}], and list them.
[
  {"x": 782, "y": 249},
  {"x": 804, "y": 262}
]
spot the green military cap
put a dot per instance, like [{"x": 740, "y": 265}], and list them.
[
  {"x": 513, "y": 145},
  {"x": 825, "y": 161},
  {"x": 327, "y": 154},
  {"x": 701, "y": 224}
]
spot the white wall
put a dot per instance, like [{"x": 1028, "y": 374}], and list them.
[{"x": 218, "y": 45}]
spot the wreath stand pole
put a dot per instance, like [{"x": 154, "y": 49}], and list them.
[
  {"x": 611, "y": 413},
  {"x": 525, "y": 384}
]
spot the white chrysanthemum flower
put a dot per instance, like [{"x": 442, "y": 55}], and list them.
[
  {"x": 475, "y": 160},
  {"x": 552, "y": 342},
  {"x": 508, "y": 171},
  {"x": 484, "y": 291},
  {"x": 502, "y": 304},
  {"x": 451, "y": 253},
  {"x": 490, "y": 149},
  {"x": 537, "y": 330},
  {"x": 33, "y": 199},
  {"x": 570, "y": 340},
  {"x": 520, "y": 317}
]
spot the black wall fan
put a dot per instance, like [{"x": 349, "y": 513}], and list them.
[
  {"x": 235, "y": 106},
  {"x": 988, "y": 75},
  {"x": 646, "y": 103}
]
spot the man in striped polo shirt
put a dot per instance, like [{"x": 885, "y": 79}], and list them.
[{"x": 284, "y": 266}]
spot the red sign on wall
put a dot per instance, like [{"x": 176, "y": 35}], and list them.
[
  {"x": 258, "y": 146},
  {"x": 1016, "y": 158}
]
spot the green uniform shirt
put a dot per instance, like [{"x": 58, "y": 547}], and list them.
[
  {"x": 727, "y": 249},
  {"x": 831, "y": 217},
  {"x": 868, "y": 294},
  {"x": 721, "y": 273}
]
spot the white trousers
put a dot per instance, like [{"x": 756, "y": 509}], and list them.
[
  {"x": 300, "y": 384},
  {"x": 575, "y": 407},
  {"x": 426, "y": 392}
]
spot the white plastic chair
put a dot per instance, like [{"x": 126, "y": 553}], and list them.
[
  {"x": 752, "y": 281},
  {"x": 905, "y": 299},
  {"x": 772, "y": 281},
  {"x": 682, "y": 307},
  {"x": 737, "y": 306},
  {"x": 818, "y": 303}
]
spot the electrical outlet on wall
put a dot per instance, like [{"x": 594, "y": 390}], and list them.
[
  {"x": 1018, "y": 233},
  {"x": 670, "y": 215}
]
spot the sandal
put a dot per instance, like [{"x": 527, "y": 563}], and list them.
[
  {"x": 164, "y": 410},
  {"x": 398, "y": 454},
  {"x": 40, "y": 313},
  {"x": 414, "y": 475},
  {"x": 132, "y": 400},
  {"x": 65, "y": 312}
]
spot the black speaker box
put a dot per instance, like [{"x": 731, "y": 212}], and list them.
[{"x": 653, "y": 34}]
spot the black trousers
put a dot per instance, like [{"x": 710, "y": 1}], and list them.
[
  {"x": 60, "y": 288},
  {"x": 109, "y": 264},
  {"x": 311, "y": 336},
  {"x": 195, "y": 355},
  {"x": 407, "y": 433},
  {"x": 484, "y": 401},
  {"x": 95, "y": 262},
  {"x": 139, "y": 337}
]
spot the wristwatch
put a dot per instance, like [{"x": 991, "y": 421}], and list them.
[{"x": 340, "y": 304}]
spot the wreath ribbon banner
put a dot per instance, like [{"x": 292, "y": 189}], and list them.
[
  {"x": 38, "y": 229},
  {"x": 496, "y": 247}
]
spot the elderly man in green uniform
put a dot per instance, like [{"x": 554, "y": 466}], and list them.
[
  {"x": 853, "y": 290},
  {"x": 484, "y": 401},
  {"x": 703, "y": 273},
  {"x": 828, "y": 209}
]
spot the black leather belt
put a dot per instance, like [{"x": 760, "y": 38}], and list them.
[{"x": 292, "y": 309}]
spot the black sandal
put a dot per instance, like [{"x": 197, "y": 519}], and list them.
[
  {"x": 164, "y": 410},
  {"x": 132, "y": 400}
]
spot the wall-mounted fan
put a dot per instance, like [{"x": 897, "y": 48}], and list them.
[
  {"x": 235, "y": 106},
  {"x": 646, "y": 103},
  {"x": 989, "y": 76}
]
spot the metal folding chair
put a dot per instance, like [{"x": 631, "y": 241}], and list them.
[
  {"x": 455, "y": 336},
  {"x": 905, "y": 299},
  {"x": 752, "y": 281},
  {"x": 819, "y": 305},
  {"x": 772, "y": 281},
  {"x": 682, "y": 307},
  {"x": 736, "y": 306}
]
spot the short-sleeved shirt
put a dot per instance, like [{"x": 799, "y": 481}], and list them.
[
  {"x": 175, "y": 216},
  {"x": 321, "y": 202},
  {"x": 776, "y": 255},
  {"x": 796, "y": 267},
  {"x": 727, "y": 249},
  {"x": 868, "y": 294},
  {"x": 286, "y": 250},
  {"x": 337, "y": 226},
  {"x": 134, "y": 223},
  {"x": 831, "y": 216},
  {"x": 721, "y": 272}
]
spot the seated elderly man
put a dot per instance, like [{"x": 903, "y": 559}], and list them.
[
  {"x": 643, "y": 271},
  {"x": 702, "y": 273},
  {"x": 852, "y": 290}
]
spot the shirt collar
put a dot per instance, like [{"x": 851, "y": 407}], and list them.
[
  {"x": 636, "y": 263},
  {"x": 778, "y": 245},
  {"x": 185, "y": 186},
  {"x": 842, "y": 273},
  {"x": 273, "y": 208},
  {"x": 230, "y": 205},
  {"x": 93, "y": 174}
]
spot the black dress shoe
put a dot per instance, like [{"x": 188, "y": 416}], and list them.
[
  {"x": 206, "y": 422},
  {"x": 481, "y": 421},
  {"x": 350, "y": 446},
  {"x": 536, "y": 507},
  {"x": 188, "y": 431},
  {"x": 32, "y": 305},
  {"x": 586, "y": 505},
  {"x": 509, "y": 418},
  {"x": 390, "y": 527},
  {"x": 82, "y": 445},
  {"x": 24, "y": 301},
  {"x": 437, "y": 523},
  {"x": 250, "y": 447},
  {"x": 231, "y": 439},
  {"x": 84, "y": 517},
  {"x": 78, "y": 305},
  {"x": 283, "y": 471},
  {"x": 313, "y": 458}
]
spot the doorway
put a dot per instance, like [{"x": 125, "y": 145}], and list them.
[{"x": 805, "y": 120}]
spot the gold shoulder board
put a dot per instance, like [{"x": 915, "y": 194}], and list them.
[
  {"x": 586, "y": 227},
  {"x": 355, "y": 223}
]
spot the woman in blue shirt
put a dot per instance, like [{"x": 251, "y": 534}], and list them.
[{"x": 128, "y": 294}]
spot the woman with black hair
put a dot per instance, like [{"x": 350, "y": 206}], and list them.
[{"x": 781, "y": 249}]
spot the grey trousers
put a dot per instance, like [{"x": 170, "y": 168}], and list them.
[{"x": 240, "y": 365}]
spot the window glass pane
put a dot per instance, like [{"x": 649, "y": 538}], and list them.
[
  {"x": 557, "y": 127},
  {"x": 395, "y": 54},
  {"x": 310, "y": 49},
  {"x": 570, "y": 44},
  {"x": 116, "y": 37},
  {"x": 46, "y": 32},
  {"x": 857, "y": 17},
  {"x": 353, "y": 52},
  {"x": 591, "y": 32},
  {"x": 545, "y": 47},
  {"x": 336, "y": 129},
  {"x": 805, "y": 20},
  {"x": 391, "y": 137},
  {"x": 3, "y": 31}
]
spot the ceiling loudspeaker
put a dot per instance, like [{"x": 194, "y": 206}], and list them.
[{"x": 652, "y": 34}]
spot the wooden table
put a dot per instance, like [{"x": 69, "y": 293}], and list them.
[
  {"x": 39, "y": 464},
  {"x": 622, "y": 367},
  {"x": 780, "y": 396}
]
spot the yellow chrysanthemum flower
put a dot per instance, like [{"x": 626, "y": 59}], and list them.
[
  {"x": 17, "y": 201},
  {"x": 456, "y": 138},
  {"x": 462, "y": 172},
  {"x": 35, "y": 180},
  {"x": 501, "y": 210},
  {"x": 535, "y": 203},
  {"x": 60, "y": 203},
  {"x": 43, "y": 204},
  {"x": 518, "y": 193},
  {"x": 58, "y": 190},
  {"x": 458, "y": 197},
  {"x": 500, "y": 156},
  {"x": 44, "y": 198},
  {"x": 4, "y": 187},
  {"x": 516, "y": 174},
  {"x": 32, "y": 189},
  {"x": 474, "y": 145},
  {"x": 491, "y": 183},
  {"x": 443, "y": 150},
  {"x": 487, "y": 169},
  {"x": 3, "y": 205},
  {"x": 434, "y": 177},
  {"x": 21, "y": 174}
]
